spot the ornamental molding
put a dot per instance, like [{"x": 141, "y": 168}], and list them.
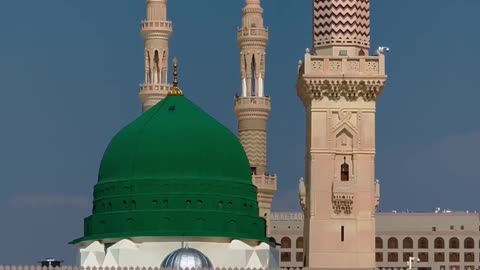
[
  {"x": 342, "y": 204},
  {"x": 334, "y": 89}
]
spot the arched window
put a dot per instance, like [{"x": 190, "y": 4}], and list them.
[
  {"x": 345, "y": 170},
  {"x": 392, "y": 242},
  {"x": 407, "y": 243},
  {"x": 285, "y": 242},
  {"x": 156, "y": 67},
  {"x": 164, "y": 68},
  {"x": 253, "y": 86},
  {"x": 454, "y": 243},
  {"x": 148, "y": 70},
  {"x": 423, "y": 242},
  {"x": 439, "y": 242},
  {"x": 299, "y": 243},
  {"x": 469, "y": 243},
  {"x": 378, "y": 242}
]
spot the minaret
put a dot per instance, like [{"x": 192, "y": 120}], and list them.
[
  {"x": 156, "y": 32},
  {"x": 339, "y": 83},
  {"x": 252, "y": 107}
]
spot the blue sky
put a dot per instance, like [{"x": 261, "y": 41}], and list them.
[{"x": 69, "y": 76}]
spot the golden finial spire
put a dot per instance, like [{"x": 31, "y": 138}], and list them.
[{"x": 175, "y": 90}]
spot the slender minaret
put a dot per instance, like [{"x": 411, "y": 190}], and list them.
[
  {"x": 252, "y": 107},
  {"x": 156, "y": 32},
  {"x": 339, "y": 83}
]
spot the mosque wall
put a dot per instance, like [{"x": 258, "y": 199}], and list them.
[
  {"x": 441, "y": 241},
  {"x": 151, "y": 252}
]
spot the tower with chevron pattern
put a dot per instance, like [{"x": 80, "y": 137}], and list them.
[
  {"x": 339, "y": 82},
  {"x": 252, "y": 107}
]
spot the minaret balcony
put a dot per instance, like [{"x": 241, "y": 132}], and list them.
[
  {"x": 147, "y": 88},
  {"x": 255, "y": 33},
  {"x": 157, "y": 26},
  {"x": 253, "y": 101},
  {"x": 253, "y": 106},
  {"x": 265, "y": 183},
  {"x": 333, "y": 77},
  {"x": 344, "y": 65}
]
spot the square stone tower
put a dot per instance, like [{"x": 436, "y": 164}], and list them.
[{"x": 339, "y": 83}]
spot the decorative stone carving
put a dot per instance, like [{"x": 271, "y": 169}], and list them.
[
  {"x": 372, "y": 66},
  {"x": 351, "y": 89},
  {"x": 335, "y": 66},
  {"x": 354, "y": 65},
  {"x": 317, "y": 65},
  {"x": 342, "y": 204}
]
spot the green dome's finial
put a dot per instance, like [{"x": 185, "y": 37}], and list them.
[{"x": 175, "y": 90}]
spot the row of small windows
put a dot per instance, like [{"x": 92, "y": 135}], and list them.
[
  {"x": 286, "y": 242},
  {"x": 287, "y": 257},
  {"x": 132, "y": 205},
  {"x": 439, "y": 243},
  {"x": 423, "y": 256}
]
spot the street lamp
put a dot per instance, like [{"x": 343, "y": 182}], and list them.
[{"x": 410, "y": 262}]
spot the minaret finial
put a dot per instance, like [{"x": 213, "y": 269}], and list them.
[
  {"x": 175, "y": 90},
  {"x": 175, "y": 72}
]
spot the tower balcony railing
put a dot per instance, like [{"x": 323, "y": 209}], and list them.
[
  {"x": 252, "y": 32},
  {"x": 157, "y": 25},
  {"x": 344, "y": 65},
  {"x": 252, "y": 100},
  {"x": 265, "y": 181},
  {"x": 154, "y": 87}
]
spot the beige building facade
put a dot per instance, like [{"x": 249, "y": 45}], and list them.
[
  {"x": 440, "y": 241},
  {"x": 339, "y": 83}
]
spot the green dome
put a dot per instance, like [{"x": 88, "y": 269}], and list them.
[{"x": 174, "y": 171}]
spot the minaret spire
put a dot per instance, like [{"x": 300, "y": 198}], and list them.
[
  {"x": 341, "y": 25},
  {"x": 156, "y": 32},
  {"x": 252, "y": 107},
  {"x": 175, "y": 90},
  {"x": 252, "y": 38}
]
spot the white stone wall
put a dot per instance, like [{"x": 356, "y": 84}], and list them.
[{"x": 127, "y": 253}]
